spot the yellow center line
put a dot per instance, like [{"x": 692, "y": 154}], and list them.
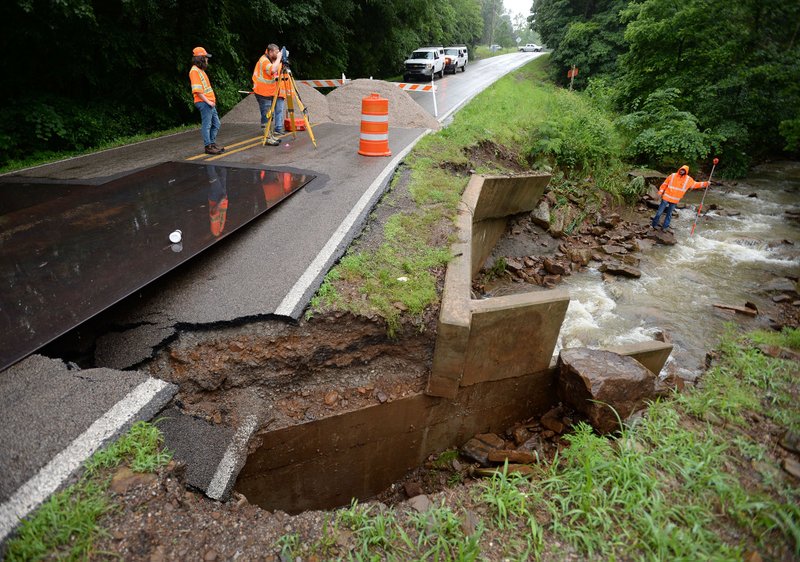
[
  {"x": 229, "y": 152},
  {"x": 226, "y": 149}
]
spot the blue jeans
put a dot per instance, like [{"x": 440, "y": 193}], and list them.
[
  {"x": 209, "y": 124},
  {"x": 264, "y": 103},
  {"x": 664, "y": 205}
]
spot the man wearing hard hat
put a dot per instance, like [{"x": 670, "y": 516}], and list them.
[
  {"x": 266, "y": 76},
  {"x": 205, "y": 100},
  {"x": 672, "y": 191}
]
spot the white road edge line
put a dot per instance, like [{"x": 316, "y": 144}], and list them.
[
  {"x": 231, "y": 458},
  {"x": 295, "y": 294},
  {"x": 53, "y": 474}
]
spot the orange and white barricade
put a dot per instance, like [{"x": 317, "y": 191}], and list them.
[{"x": 374, "y": 139}]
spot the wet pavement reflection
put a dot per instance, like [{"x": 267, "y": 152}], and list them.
[{"x": 69, "y": 251}]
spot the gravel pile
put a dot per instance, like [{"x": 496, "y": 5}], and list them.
[
  {"x": 344, "y": 105},
  {"x": 246, "y": 111}
]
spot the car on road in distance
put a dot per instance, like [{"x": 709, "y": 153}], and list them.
[
  {"x": 530, "y": 48},
  {"x": 455, "y": 58},
  {"x": 494, "y": 48},
  {"x": 424, "y": 63}
]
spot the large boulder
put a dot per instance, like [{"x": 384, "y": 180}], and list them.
[{"x": 594, "y": 381}]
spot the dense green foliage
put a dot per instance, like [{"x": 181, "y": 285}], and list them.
[
  {"x": 85, "y": 72},
  {"x": 691, "y": 78}
]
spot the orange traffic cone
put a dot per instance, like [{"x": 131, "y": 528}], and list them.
[{"x": 374, "y": 126}]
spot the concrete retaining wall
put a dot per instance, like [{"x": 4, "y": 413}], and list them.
[
  {"x": 324, "y": 463},
  {"x": 494, "y": 338},
  {"x": 501, "y": 337}
]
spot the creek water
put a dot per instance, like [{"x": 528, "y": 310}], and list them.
[{"x": 729, "y": 260}]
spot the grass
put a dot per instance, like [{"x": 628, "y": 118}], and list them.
[
  {"x": 672, "y": 486},
  {"x": 483, "y": 52},
  {"x": 66, "y": 525},
  {"x": 40, "y": 158},
  {"x": 522, "y": 122}
]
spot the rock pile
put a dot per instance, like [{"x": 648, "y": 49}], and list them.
[
  {"x": 526, "y": 443},
  {"x": 614, "y": 245}
]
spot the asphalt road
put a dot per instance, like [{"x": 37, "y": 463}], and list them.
[
  {"x": 274, "y": 266},
  {"x": 271, "y": 267}
]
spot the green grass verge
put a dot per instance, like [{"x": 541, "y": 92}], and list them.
[
  {"x": 66, "y": 525},
  {"x": 520, "y": 123},
  {"x": 483, "y": 52},
  {"x": 672, "y": 486}
]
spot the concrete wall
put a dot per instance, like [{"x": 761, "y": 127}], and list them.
[
  {"x": 495, "y": 338},
  {"x": 325, "y": 463}
]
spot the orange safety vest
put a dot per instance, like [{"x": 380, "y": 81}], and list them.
[
  {"x": 201, "y": 85},
  {"x": 217, "y": 213},
  {"x": 675, "y": 187},
  {"x": 265, "y": 77}
]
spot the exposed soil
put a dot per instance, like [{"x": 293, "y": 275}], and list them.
[{"x": 297, "y": 372}]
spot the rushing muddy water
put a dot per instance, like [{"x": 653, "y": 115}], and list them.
[{"x": 728, "y": 260}]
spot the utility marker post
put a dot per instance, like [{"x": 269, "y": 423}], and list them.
[{"x": 571, "y": 74}]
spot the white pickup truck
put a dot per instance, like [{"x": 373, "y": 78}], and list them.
[
  {"x": 530, "y": 48},
  {"x": 455, "y": 58},
  {"x": 424, "y": 63}
]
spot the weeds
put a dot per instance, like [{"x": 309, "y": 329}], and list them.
[{"x": 66, "y": 525}]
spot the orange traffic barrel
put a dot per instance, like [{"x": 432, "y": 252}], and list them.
[{"x": 374, "y": 126}]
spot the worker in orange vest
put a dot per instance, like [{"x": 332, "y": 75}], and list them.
[
  {"x": 672, "y": 191},
  {"x": 205, "y": 100},
  {"x": 266, "y": 78},
  {"x": 217, "y": 198}
]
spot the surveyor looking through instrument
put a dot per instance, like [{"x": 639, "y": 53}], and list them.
[
  {"x": 269, "y": 92},
  {"x": 286, "y": 88},
  {"x": 205, "y": 100}
]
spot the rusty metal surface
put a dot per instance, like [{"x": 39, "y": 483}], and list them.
[{"x": 70, "y": 251}]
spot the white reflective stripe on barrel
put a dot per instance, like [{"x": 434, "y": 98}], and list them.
[
  {"x": 375, "y": 118},
  {"x": 374, "y": 137}
]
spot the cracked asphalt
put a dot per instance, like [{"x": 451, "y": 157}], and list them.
[{"x": 270, "y": 268}]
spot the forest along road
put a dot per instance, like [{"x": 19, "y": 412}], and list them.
[{"x": 271, "y": 267}]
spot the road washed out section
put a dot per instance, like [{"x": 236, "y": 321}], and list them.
[{"x": 70, "y": 251}]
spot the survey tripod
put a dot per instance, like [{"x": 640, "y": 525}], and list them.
[{"x": 286, "y": 81}]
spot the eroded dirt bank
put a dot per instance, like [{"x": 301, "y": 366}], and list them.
[{"x": 293, "y": 372}]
